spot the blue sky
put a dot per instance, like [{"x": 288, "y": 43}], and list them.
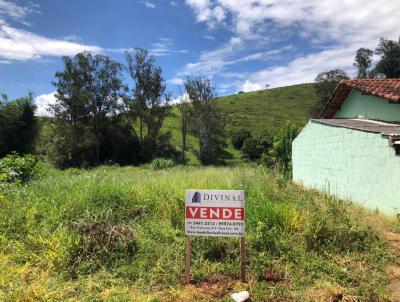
[{"x": 240, "y": 45}]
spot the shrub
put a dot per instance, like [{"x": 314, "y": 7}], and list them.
[
  {"x": 332, "y": 229},
  {"x": 161, "y": 164},
  {"x": 281, "y": 150},
  {"x": 100, "y": 245},
  {"x": 265, "y": 140},
  {"x": 251, "y": 149},
  {"x": 14, "y": 168},
  {"x": 239, "y": 137},
  {"x": 268, "y": 161}
]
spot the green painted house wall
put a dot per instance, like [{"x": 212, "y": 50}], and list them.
[
  {"x": 368, "y": 106},
  {"x": 350, "y": 164}
]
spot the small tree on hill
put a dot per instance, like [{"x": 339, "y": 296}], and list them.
[
  {"x": 149, "y": 101},
  {"x": 208, "y": 120},
  {"x": 325, "y": 84},
  {"x": 185, "y": 111},
  {"x": 362, "y": 62}
]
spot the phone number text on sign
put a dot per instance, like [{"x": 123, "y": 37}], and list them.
[{"x": 218, "y": 213}]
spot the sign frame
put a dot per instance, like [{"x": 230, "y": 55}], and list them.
[{"x": 217, "y": 206}]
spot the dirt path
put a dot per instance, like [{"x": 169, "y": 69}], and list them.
[
  {"x": 393, "y": 269},
  {"x": 393, "y": 237}
]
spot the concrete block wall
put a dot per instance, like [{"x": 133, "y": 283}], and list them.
[{"x": 350, "y": 164}]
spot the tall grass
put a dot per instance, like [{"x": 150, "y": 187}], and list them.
[{"x": 117, "y": 234}]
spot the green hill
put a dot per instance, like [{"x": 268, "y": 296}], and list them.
[
  {"x": 256, "y": 111},
  {"x": 269, "y": 109}
]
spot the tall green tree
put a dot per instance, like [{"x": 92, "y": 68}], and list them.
[
  {"x": 18, "y": 125},
  {"x": 148, "y": 101},
  {"x": 185, "y": 111},
  {"x": 389, "y": 62},
  {"x": 362, "y": 62},
  {"x": 87, "y": 90},
  {"x": 281, "y": 151},
  {"x": 208, "y": 120},
  {"x": 325, "y": 84}
]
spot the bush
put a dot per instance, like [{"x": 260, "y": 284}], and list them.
[
  {"x": 251, "y": 149},
  {"x": 161, "y": 164},
  {"x": 15, "y": 168},
  {"x": 265, "y": 140},
  {"x": 100, "y": 245},
  {"x": 239, "y": 137},
  {"x": 281, "y": 150}
]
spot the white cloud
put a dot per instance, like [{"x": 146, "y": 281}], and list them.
[
  {"x": 17, "y": 44},
  {"x": 163, "y": 47},
  {"x": 305, "y": 69},
  {"x": 212, "y": 62},
  {"x": 340, "y": 27},
  {"x": 73, "y": 38},
  {"x": 17, "y": 12},
  {"x": 207, "y": 12},
  {"x": 250, "y": 86},
  {"x": 173, "y": 3},
  {"x": 176, "y": 81},
  {"x": 184, "y": 97},
  {"x": 21, "y": 45},
  {"x": 209, "y": 37},
  {"x": 328, "y": 19},
  {"x": 149, "y": 4},
  {"x": 43, "y": 102}
]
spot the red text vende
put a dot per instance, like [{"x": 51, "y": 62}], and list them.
[{"x": 214, "y": 213}]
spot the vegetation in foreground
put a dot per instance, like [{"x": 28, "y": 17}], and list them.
[{"x": 117, "y": 234}]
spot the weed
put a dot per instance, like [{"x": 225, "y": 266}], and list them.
[
  {"x": 161, "y": 164},
  {"x": 118, "y": 234}
]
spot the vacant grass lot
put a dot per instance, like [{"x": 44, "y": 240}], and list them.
[{"x": 117, "y": 234}]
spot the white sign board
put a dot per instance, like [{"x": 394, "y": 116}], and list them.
[{"x": 217, "y": 213}]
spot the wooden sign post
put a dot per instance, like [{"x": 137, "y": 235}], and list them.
[
  {"x": 242, "y": 259},
  {"x": 216, "y": 213},
  {"x": 187, "y": 260}
]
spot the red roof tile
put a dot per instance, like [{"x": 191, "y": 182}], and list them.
[{"x": 388, "y": 89}]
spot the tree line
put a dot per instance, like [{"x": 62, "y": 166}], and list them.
[
  {"x": 108, "y": 112},
  {"x": 99, "y": 118}
]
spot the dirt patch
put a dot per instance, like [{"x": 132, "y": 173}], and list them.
[
  {"x": 382, "y": 224},
  {"x": 217, "y": 288},
  {"x": 393, "y": 269}
]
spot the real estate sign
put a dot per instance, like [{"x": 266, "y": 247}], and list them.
[{"x": 218, "y": 213}]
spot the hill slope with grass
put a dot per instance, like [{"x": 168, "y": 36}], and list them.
[
  {"x": 269, "y": 109},
  {"x": 264, "y": 110}
]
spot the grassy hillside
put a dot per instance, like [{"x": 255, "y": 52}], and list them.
[
  {"x": 117, "y": 234},
  {"x": 256, "y": 111},
  {"x": 269, "y": 109}
]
